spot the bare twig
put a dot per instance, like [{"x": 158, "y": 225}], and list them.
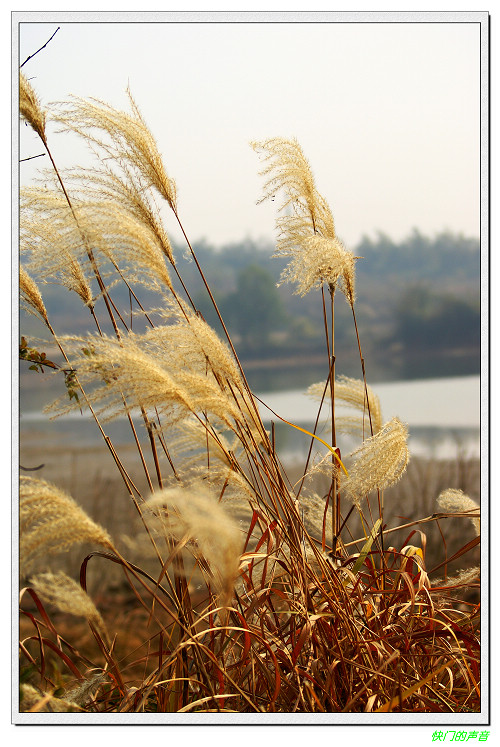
[
  {"x": 31, "y": 157},
  {"x": 39, "y": 50}
]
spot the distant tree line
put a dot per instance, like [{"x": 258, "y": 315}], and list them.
[{"x": 418, "y": 304}]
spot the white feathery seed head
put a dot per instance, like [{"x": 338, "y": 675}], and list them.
[
  {"x": 307, "y": 233},
  {"x": 68, "y": 596},
  {"x": 122, "y": 136},
  {"x": 30, "y": 107},
  {"x": 351, "y": 393},
  {"x": 379, "y": 462},
  {"x": 194, "y": 512},
  {"x": 456, "y": 501},
  {"x": 50, "y": 522}
]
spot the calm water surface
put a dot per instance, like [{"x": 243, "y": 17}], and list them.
[
  {"x": 443, "y": 415},
  {"x": 450, "y": 402}
]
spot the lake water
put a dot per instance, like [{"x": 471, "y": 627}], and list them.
[
  {"x": 450, "y": 402},
  {"x": 443, "y": 416}
]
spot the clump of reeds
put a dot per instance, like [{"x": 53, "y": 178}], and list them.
[{"x": 285, "y": 609}]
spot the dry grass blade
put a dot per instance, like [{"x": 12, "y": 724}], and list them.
[{"x": 399, "y": 699}]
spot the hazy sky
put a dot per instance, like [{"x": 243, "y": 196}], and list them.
[{"x": 387, "y": 114}]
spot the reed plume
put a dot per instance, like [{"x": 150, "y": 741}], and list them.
[
  {"x": 195, "y": 345},
  {"x": 125, "y": 190},
  {"x": 33, "y": 700},
  {"x": 136, "y": 369},
  {"x": 51, "y": 233},
  {"x": 195, "y": 438},
  {"x": 66, "y": 595},
  {"x": 379, "y": 462},
  {"x": 351, "y": 393},
  {"x": 204, "y": 453},
  {"x": 82, "y": 693},
  {"x": 307, "y": 235},
  {"x": 123, "y": 137},
  {"x": 456, "y": 501},
  {"x": 52, "y": 242},
  {"x": 464, "y": 579},
  {"x": 30, "y": 107},
  {"x": 127, "y": 242},
  {"x": 194, "y": 512},
  {"x": 50, "y": 522},
  {"x": 31, "y": 296}
]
